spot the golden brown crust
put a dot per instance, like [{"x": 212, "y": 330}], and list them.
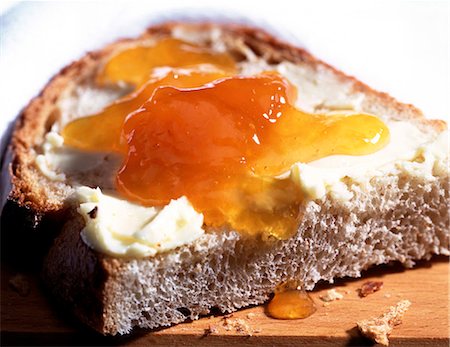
[
  {"x": 33, "y": 123},
  {"x": 36, "y": 118}
]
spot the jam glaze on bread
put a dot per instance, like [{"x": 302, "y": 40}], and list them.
[{"x": 392, "y": 217}]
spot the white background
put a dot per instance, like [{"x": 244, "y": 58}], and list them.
[{"x": 400, "y": 47}]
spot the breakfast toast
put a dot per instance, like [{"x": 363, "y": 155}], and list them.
[{"x": 396, "y": 212}]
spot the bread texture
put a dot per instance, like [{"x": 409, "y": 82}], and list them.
[{"x": 397, "y": 216}]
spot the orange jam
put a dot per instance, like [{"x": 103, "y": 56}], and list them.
[
  {"x": 291, "y": 304},
  {"x": 134, "y": 65},
  {"x": 218, "y": 140}
]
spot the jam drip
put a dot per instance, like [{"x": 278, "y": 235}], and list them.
[
  {"x": 290, "y": 301},
  {"x": 219, "y": 140},
  {"x": 291, "y": 304}
]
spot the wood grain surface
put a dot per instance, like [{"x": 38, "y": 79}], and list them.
[{"x": 31, "y": 318}]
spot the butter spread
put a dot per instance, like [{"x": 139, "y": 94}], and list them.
[
  {"x": 121, "y": 228},
  {"x": 46, "y": 161},
  {"x": 58, "y": 162},
  {"x": 317, "y": 90},
  {"x": 332, "y": 95},
  {"x": 408, "y": 149},
  {"x": 429, "y": 159}
]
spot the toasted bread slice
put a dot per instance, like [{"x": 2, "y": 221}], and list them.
[{"x": 394, "y": 216}]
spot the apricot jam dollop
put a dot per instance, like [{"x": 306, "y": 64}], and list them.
[
  {"x": 219, "y": 139},
  {"x": 221, "y": 145}
]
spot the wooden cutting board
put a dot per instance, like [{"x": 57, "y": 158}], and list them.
[{"x": 30, "y": 318}]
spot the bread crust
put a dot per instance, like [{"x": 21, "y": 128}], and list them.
[{"x": 27, "y": 198}]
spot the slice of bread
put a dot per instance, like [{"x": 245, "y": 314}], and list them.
[{"x": 399, "y": 215}]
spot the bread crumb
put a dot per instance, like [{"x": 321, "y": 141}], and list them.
[
  {"x": 325, "y": 304},
  {"x": 347, "y": 291},
  {"x": 250, "y": 315},
  {"x": 20, "y": 284},
  {"x": 370, "y": 287},
  {"x": 380, "y": 328},
  {"x": 237, "y": 324},
  {"x": 331, "y": 295},
  {"x": 212, "y": 329},
  {"x": 387, "y": 295}
]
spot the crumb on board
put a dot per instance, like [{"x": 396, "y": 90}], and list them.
[
  {"x": 379, "y": 328},
  {"x": 387, "y": 295},
  {"x": 211, "y": 329},
  {"x": 238, "y": 325},
  {"x": 229, "y": 323},
  {"x": 370, "y": 287},
  {"x": 331, "y": 295},
  {"x": 20, "y": 284}
]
